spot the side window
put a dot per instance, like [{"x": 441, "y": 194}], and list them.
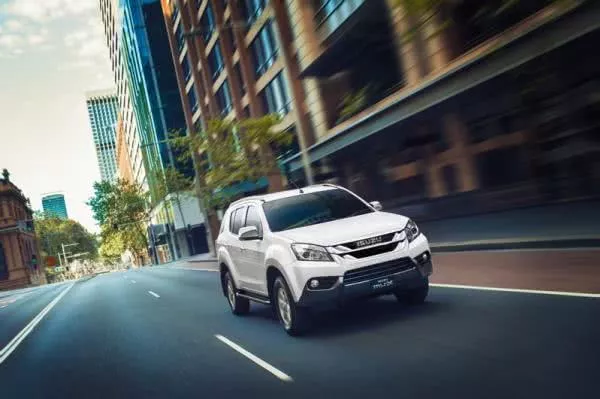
[
  {"x": 253, "y": 219},
  {"x": 238, "y": 218}
]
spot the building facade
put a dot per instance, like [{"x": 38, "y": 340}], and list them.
[
  {"x": 468, "y": 111},
  {"x": 54, "y": 205},
  {"x": 143, "y": 62},
  {"x": 102, "y": 110},
  {"x": 19, "y": 252}
]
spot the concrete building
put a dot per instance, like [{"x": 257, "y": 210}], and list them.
[
  {"x": 124, "y": 169},
  {"x": 54, "y": 205},
  {"x": 102, "y": 110},
  {"x": 20, "y": 263},
  {"x": 463, "y": 112}
]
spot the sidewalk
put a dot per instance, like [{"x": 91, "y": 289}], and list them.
[{"x": 569, "y": 225}]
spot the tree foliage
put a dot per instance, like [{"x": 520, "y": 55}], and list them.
[
  {"x": 230, "y": 152},
  {"x": 121, "y": 210},
  {"x": 53, "y": 231}
]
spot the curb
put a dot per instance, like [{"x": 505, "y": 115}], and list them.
[{"x": 591, "y": 243}]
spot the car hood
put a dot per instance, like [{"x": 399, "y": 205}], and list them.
[{"x": 346, "y": 230}]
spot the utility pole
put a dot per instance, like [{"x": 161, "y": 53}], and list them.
[{"x": 63, "y": 246}]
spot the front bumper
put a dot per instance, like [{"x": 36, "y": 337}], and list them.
[{"x": 413, "y": 277}]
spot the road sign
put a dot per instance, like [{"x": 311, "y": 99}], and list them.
[
  {"x": 59, "y": 269},
  {"x": 51, "y": 261}
]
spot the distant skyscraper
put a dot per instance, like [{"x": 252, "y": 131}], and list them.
[
  {"x": 102, "y": 110},
  {"x": 54, "y": 205}
]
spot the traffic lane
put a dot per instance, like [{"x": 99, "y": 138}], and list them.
[
  {"x": 462, "y": 342},
  {"x": 109, "y": 338},
  {"x": 17, "y": 310}
]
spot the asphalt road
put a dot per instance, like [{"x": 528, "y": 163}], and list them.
[{"x": 152, "y": 333}]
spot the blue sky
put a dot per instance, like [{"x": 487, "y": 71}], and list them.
[{"x": 51, "y": 53}]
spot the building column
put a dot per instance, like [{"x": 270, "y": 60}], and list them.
[
  {"x": 458, "y": 136},
  {"x": 406, "y": 40}
]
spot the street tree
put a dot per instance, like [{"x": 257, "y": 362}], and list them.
[
  {"x": 227, "y": 153},
  {"x": 52, "y": 232},
  {"x": 121, "y": 208}
]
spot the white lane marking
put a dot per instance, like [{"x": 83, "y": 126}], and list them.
[
  {"x": 192, "y": 268},
  {"x": 522, "y": 291},
  {"x": 276, "y": 372},
  {"x": 154, "y": 294},
  {"x": 14, "y": 343},
  {"x": 132, "y": 281},
  {"x": 4, "y": 306}
]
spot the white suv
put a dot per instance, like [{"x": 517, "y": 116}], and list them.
[{"x": 321, "y": 244}]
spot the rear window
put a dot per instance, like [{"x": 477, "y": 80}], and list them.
[{"x": 312, "y": 208}]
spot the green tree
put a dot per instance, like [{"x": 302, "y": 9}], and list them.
[
  {"x": 121, "y": 210},
  {"x": 52, "y": 232},
  {"x": 229, "y": 152}
]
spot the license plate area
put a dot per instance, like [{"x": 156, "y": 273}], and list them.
[{"x": 382, "y": 283}]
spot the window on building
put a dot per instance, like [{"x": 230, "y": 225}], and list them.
[
  {"x": 264, "y": 49},
  {"x": 180, "y": 37},
  {"x": 192, "y": 99},
  {"x": 215, "y": 61},
  {"x": 186, "y": 68},
  {"x": 237, "y": 71},
  {"x": 275, "y": 96},
  {"x": 175, "y": 12},
  {"x": 223, "y": 96},
  {"x": 207, "y": 22},
  {"x": 251, "y": 9}
]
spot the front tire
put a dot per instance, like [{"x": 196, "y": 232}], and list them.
[
  {"x": 414, "y": 296},
  {"x": 292, "y": 317},
  {"x": 239, "y": 306}
]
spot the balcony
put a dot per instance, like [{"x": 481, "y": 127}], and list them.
[{"x": 333, "y": 13}]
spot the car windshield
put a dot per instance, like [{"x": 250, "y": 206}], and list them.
[{"x": 312, "y": 208}]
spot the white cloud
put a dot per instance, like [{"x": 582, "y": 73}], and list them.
[
  {"x": 44, "y": 10},
  {"x": 10, "y": 41},
  {"x": 36, "y": 39},
  {"x": 13, "y": 25},
  {"x": 76, "y": 38}
]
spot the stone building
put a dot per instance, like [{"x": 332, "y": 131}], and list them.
[{"x": 19, "y": 253}]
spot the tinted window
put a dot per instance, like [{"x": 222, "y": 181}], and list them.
[
  {"x": 253, "y": 219},
  {"x": 312, "y": 208},
  {"x": 237, "y": 220}
]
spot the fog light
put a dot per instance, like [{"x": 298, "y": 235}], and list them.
[
  {"x": 425, "y": 256},
  {"x": 314, "y": 283}
]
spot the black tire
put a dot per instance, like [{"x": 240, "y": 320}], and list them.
[
  {"x": 297, "y": 317},
  {"x": 414, "y": 296},
  {"x": 239, "y": 306}
]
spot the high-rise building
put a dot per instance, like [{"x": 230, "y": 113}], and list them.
[
  {"x": 472, "y": 109},
  {"x": 54, "y": 205},
  {"x": 149, "y": 104},
  {"x": 102, "y": 111}
]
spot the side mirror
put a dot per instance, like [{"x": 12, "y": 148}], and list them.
[
  {"x": 249, "y": 233},
  {"x": 376, "y": 205}
]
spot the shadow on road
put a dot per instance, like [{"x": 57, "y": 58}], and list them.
[{"x": 358, "y": 316}]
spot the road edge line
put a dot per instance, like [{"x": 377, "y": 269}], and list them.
[
  {"x": 16, "y": 341},
  {"x": 517, "y": 290},
  {"x": 258, "y": 361}
]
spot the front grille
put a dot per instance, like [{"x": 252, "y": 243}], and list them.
[
  {"x": 357, "y": 244},
  {"x": 380, "y": 249},
  {"x": 377, "y": 271}
]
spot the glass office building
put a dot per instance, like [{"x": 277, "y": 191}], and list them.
[
  {"x": 54, "y": 205},
  {"x": 102, "y": 110}
]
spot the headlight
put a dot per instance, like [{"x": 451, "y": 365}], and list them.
[
  {"x": 310, "y": 252},
  {"x": 411, "y": 230}
]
